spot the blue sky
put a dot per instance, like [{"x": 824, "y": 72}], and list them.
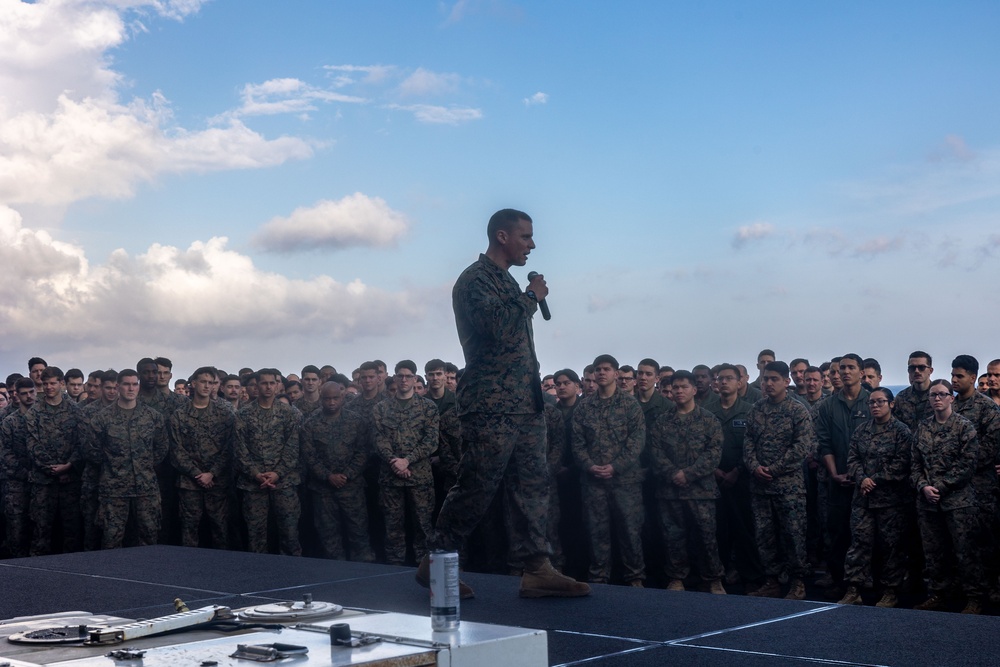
[{"x": 248, "y": 183}]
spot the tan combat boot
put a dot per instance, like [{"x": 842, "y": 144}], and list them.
[
  {"x": 797, "y": 591},
  {"x": 770, "y": 589},
  {"x": 934, "y": 603},
  {"x": 973, "y": 606},
  {"x": 889, "y": 599},
  {"x": 715, "y": 588},
  {"x": 675, "y": 585},
  {"x": 852, "y": 596},
  {"x": 541, "y": 580}
]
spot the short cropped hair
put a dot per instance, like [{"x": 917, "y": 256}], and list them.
[
  {"x": 434, "y": 364},
  {"x": 649, "y": 362},
  {"x": 53, "y": 372},
  {"x": 678, "y": 376},
  {"x": 606, "y": 359},
  {"x": 407, "y": 364},
  {"x": 569, "y": 373},
  {"x": 504, "y": 220},
  {"x": 779, "y": 367},
  {"x": 966, "y": 362}
]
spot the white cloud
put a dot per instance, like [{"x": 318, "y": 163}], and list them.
[
  {"x": 355, "y": 220},
  {"x": 426, "y": 113},
  {"x": 175, "y": 297},
  {"x": 425, "y": 82},
  {"x": 64, "y": 133},
  {"x": 537, "y": 98},
  {"x": 753, "y": 232},
  {"x": 92, "y": 148},
  {"x": 287, "y": 95}
]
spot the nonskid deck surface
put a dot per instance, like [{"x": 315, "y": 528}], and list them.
[{"x": 614, "y": 626}]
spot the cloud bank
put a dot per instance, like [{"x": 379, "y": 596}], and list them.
[
  {"x": 354, "y": 221},
  {"x": 175, "y": 296}
]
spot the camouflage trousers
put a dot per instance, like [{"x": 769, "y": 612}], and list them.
[
  {"x": 781, "y": 519},
  {"x": 258, "y": 504},
  {"x": 394, "y": 501},
  {"x": 614, "y": 512},
  {"x": 90, "y": 506},
  {"x": 339, "y": 515},
  {"x": 511, "y": 448},
  {"x": 114, "y": 515},
  {"x": 951, "y": 550},
  {"x": 49, "y": 502},
  {"x": 877, "y": 531},
  {"x": 689, "y": 527},
  {"x": 16, "y": 501},
  {"x": 213, "y": 505}
]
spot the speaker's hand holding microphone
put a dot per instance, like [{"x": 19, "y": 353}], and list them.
[{"x": 538, "y": 290}]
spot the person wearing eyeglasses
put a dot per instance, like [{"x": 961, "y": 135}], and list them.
[
  {"x": 911, "y": 403},
  {"x": 878, "y": 462},
  {"x": 944, "y": 462}
]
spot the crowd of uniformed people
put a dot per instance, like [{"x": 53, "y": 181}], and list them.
[{"x": 811, "y": 475}]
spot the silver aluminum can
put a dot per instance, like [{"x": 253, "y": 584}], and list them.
[{"x": 444, "y": 590}]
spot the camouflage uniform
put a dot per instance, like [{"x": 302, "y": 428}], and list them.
[
  {"x": 779, "y": 436},
  {"x": 449, "y": 449},
  {"x": 128, "y": 444},
  {"x": 306, "y": 407},
  {"x": 89, "y": 478},
  {"x": 612, "y": 431},
  {"x": 944, "y": 456},
  {"x": 835, "y": 420},
  {"x": 690, "y": 443},
  {"x": 202, "y": 440},
  {"x": 364, "y": 407},
  {"x": 166, "y": 403},
  {"x": 880, "y": 452},
  {"x": 500, "y": 406},
  {"x": 54, "y": 438},
  {"x": 336, "y": 444},
  {"x": 571, "y": 529},
  {"x": 734, "y": 516},
  {"x": 985, "y": 416},
  {"x": 911, "y": 407},
  {"x": 16, "y": 489},
  {"x": 406, "y": 429},
  {"x": 268, "y": 441},
  {"x": 555, "y": 433},
  {"x": 817, "y": 493}
]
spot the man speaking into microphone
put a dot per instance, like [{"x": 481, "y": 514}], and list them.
[{"x": 500, "y": 406}]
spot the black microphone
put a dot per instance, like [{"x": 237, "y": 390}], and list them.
[{"x": 542, "y": 306}]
